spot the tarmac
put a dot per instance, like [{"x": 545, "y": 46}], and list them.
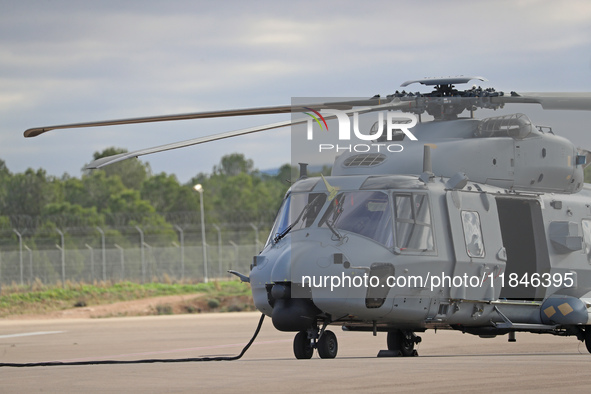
[{"x": 448, "y": 361}]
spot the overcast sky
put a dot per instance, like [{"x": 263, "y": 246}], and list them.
[{"x": 74, "y": 61}]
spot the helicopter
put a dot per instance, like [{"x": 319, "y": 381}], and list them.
[{"x": 477, "y": 225}]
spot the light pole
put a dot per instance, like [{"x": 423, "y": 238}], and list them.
[{"x": 199, "y": 189}]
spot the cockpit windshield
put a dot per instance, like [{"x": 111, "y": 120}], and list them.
[
  {"x": 299, "y": 210},
  {"x": 366, "y": 213}
]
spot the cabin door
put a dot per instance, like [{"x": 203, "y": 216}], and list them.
[{"x": 478, "y": 246}]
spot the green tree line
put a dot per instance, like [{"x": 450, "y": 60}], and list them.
[{"x": 127, "y": 194}]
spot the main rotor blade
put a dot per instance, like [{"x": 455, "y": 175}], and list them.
[
  {"x": 161, "y": 148},
  {"x": 551, "y": 101},
  {"x": 104, "y": 161},
  {"x": 33, "y": 132},
  {"x": 344, "y": 105}
]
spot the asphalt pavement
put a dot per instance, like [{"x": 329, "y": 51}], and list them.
[{"x": 448, "y": 361}]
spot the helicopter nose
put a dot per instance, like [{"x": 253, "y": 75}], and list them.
[{"x": 291, "y": 313}]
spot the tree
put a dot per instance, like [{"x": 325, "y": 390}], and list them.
[
  {"x": 64, "y": 214},
  {"x": 128, "y": 209},
  {"x": 166, "y": 194},
  {"x": 286, "y": 173},
  {"x": 234, "y": 164},
  {"x": 93, "y": 190},
  {"x": 29, "y": 192},
  {"x": 5, "y": 176}
]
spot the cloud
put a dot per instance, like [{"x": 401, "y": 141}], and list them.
[{"x": 64, "y": 61}]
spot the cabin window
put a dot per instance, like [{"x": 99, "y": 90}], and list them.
[
  {"x": 366, "y": 213},
  {"x": 473, "y": 233},
  {"x": 413, "y": 222}
]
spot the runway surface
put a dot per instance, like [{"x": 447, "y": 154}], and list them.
[{"x": 448, "y": 361}]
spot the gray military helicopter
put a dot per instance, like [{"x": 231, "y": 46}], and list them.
[{"x": 477, "y": 225}]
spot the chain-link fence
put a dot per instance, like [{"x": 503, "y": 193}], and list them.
[{"x": 131, "y": 253}]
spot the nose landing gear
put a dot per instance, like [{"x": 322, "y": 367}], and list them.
[{"x": 325, "y": 341}]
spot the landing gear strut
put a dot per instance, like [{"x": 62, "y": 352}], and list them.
[
  {"x": 325, "y": 341},
  {"x": 400, "y": 343}
]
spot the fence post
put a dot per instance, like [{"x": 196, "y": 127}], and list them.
[
  {"x": 236, "y": 258},
  {"x": 122, "y": 254},
  {"x": 30, "y": 265},
  {"x": 63, "y": 249},
  {"x": 142, "y": 253},
  {"x": 182, "y": 241},
  {"x": 219, "y": 249},
  {"x": 20, "y": 252},
  {"x": 91, "y": 261},
  {"x": 100, "y": 230}
]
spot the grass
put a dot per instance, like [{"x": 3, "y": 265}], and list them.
[{"x": 39, "y": 298}]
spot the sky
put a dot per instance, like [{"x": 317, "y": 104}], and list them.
[{"x": 75, "y": 61}]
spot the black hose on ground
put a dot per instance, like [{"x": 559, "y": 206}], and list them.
[{"x": 147, "y": 361}]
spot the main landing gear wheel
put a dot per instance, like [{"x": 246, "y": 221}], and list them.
[
  {"x": 588, "y": 338},
  {"x": 302, "y": 347},
  {"x": 403, "y": 342},
  {"x": 305, "y": 342},
  {"x": 327, "y": 345}
]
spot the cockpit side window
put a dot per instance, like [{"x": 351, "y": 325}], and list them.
[
  {"x": 413, "y": 222},
  {"x": 299, "y": 210}
]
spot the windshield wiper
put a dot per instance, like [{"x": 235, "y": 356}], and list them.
[
  {"x": 334, "y": 231},
  {"x": 282, "y": 234}
]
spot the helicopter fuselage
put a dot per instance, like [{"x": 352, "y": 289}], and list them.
[
  {"x": 515, "y": 261},
  {"x": 493, "y": 237}
]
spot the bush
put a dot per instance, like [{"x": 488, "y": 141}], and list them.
[
  {"x": 213, "y": 303},
  {"x": 165, "y": 309}
]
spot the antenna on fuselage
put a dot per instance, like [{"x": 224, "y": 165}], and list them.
[{"x": 427, "y": 174}]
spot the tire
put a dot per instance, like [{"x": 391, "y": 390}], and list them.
[
  {"x": 407, "y": 345},
  {"x": 328, "y": 345},
  {"x": 301, "y": 346},
  {"x": 588, "y": 338},
  {"x": 399, "y": 341}
]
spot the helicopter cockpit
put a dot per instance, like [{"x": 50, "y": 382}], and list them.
[
  {"x": 396, "y": 219},
  {"x": 366, "y": 213}
]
